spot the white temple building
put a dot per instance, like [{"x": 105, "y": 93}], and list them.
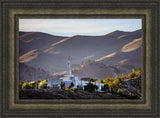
[{"x": 70, "y": 78}]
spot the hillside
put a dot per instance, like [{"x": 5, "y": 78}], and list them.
[
  {"x": 95, "y": 70},
  {"x": 29, "y": 41},
  {"x": 28, "y": 73},
  {"x": 117, "y": 52}
]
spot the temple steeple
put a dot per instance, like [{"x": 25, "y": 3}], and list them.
[{"x": 69, "y": 67}]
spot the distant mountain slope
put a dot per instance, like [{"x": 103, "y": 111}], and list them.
[
  {"x": 28, "y": 73},
  {"x": 95, "y": 70},
  {"x": 118, "y": 33},
  {"x": 36, "y": 40},
  {"x": 119, "y": 50}
]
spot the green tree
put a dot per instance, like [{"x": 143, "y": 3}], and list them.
[
  {"x": 138, "y": 70},
  {"x": 101, "y": 81},
  {"x": 122, "y": 77},
  {"x": 139, "y": 73},
  {"x": 107, "y": 80},
  {"x": 95, "y": 86},
  {"x": 32, "y": 84},
  {"x": 43, "y": 86},
  {"x": 116, "y": 82},
  {"x": 91, "y": 79},
  {"x": 133, "y": 70},
  {"x": 105, "y": 87},
  {"x": 62, "y": 84},
  {"x": 72, "y": 85},
  {"x": 90, "y": 87},
  {"x": 26, "y": 86},
  {"x": 36, "y": 84},
  {"x": 119, "y": 91},
  {"x": 111, "y": 86},
  {"x": 132, "y": 74},
  {"x": 20, "y": 85}
]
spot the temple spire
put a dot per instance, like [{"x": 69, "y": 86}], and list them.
[
  {"x": 68, "y": 57},
  {"x": 69, "y": 67}
]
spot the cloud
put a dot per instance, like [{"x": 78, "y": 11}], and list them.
[{"x": 70, "y": 27}]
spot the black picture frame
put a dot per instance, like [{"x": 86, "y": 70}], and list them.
[{"x": 12, "y": 10}]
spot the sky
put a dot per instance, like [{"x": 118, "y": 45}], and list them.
[{"x": 71, "y": 27}]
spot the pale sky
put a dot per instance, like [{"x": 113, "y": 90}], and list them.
[{"x": 71, "y": 27}]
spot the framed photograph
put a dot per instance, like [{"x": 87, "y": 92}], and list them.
[
  {"x": 79, "y": 58},
  {"x": 99, "y": 65}
]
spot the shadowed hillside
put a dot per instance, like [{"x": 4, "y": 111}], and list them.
[
  {"x": 28, "y": 73},
  {"x": 36, "y": 40},
  {"x": 113, "y": 53},
  {"x": 95, "y": 70}
]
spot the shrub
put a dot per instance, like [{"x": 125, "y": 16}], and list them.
[
  {"x": 91, "y": 79},
  {"x": 131, "y": 75},
  {"x": 72, "y": 85},
  {"x": 119, "y": 91},
  {"x": 74, "y": 89},
  {"x": 43, "y": 85},
  {"x": 116, "y": 82},
  {"x": 29, "y": 85},
  {"x": 101, "y": 81},
  {"x": 44, "y": 81},
  {"x": 133, "y": 70},
  {"x": 32, "y": 84},
  {"x": 95, "y": 87},
  {"x": 122, "y": 77},
  {"x": 138, "y": 70},
  {"x": 105, "y": 87},
  {"x": 90, "y": 87},
  {"x": 62, "y": 84},
  {"x": 26, "y": 86},
  {"x": 139, "y": 73},
  {"x": 135, "y": 77},
  {"x": 20, "y": 85},
  {"x": 133, "y": 95},
  {"x": 36, "y": 85},
  {"x": 107, "y": 80}
]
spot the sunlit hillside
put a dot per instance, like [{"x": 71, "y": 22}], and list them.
[{"x": 112, "y": 54}]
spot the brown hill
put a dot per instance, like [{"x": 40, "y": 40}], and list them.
[
  {"x": 117, "y": 33},
  {"x": 95, "y": 70},
  {"x": 27, "y": 73},
  {"x": 120, "y": 50},
  {"x": 36, "y": 40}
]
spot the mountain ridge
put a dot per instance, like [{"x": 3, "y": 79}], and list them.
[{"x": 118, "y": 49}]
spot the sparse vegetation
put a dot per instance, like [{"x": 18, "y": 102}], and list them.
[
  {"x": 62, "y": 84},
  {"x": 116, "y": 82},
  {"x": 43, "y": 86},
  {"x": 26, "y": 86},
  {"x": 90, "y": 87},
  {"x": 105, "y": 87},
  {"x": 112, "y": 85},
  {"x": 119, "y": 91},
  {"x": 91, "y": 79},
  {"x": 72, "y": 85},
  {"x": 122, "y": 77},
  {"x": 34, "y": 84},
  {"x": 20, "y": 85},
  {"x": 101, "y": 81}
]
